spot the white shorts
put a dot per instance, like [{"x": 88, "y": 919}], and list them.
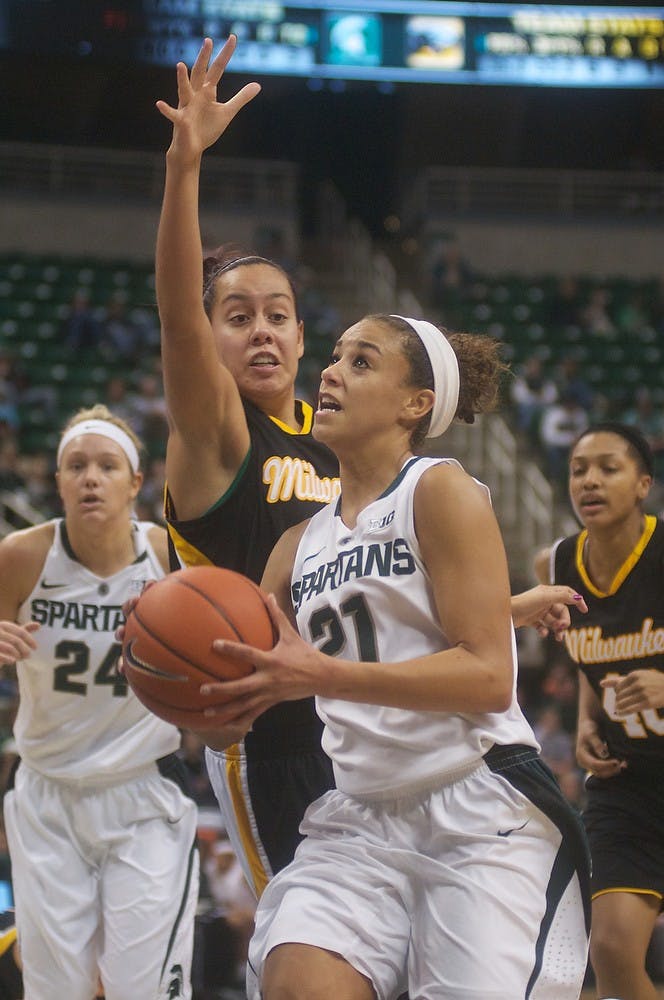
[
  {"x": 106, "y": 882},
  {"x": 469, "y": 893}
]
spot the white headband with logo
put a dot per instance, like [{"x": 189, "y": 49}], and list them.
[
  {"x": 445, "y": 369},
  {"x": 106, "y": 429}
]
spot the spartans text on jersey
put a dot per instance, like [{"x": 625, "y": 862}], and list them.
[
  {"x": 390, "y": 558},
  {"x": 72, "y": 614}
]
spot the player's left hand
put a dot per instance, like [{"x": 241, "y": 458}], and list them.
[
  {"x": 287, "y": 672},
  {"x": 546, "y": 608},
  {"x": 637, "y": 691}
]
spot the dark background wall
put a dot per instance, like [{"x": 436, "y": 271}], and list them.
[{"x": 369, "y": 142}]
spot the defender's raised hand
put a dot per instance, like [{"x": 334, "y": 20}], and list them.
[{"x": 200, "y": 119}]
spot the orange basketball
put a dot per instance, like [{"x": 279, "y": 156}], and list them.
[{"x": 167, "y": 649}]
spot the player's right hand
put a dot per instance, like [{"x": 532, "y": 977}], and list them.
[
  {"x": 16, "y": 642},
  {"x": 200, "y": 119},
  {"x": 592, "y": 752}
]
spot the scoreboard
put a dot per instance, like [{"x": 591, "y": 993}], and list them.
[{"x": 390, "y": 41}]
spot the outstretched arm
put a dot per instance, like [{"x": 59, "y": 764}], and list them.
[
  {"x": 209, "y": 437},
  {"x": 545, "y": 607}
]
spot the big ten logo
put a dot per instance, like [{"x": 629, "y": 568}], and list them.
[{"x": 381, "y": 522}]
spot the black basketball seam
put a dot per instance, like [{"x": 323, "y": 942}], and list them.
[
  {"x": 213, "y": 603},
  {"x": 147, "y": 668},
  {"x": 174, "y": 651},
  {"x": 220, "y": 609}
]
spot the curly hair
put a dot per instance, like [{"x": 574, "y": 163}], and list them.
[{"x": 480, "y": 370}]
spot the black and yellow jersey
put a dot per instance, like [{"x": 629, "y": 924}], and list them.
[
  {"x": 286, "y": 477},
  {"x": 623, "y": 631}
]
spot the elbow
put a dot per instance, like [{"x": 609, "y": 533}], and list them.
[
  {"x": 501, "y": 699},
  {"x": 495, "y": 689}
]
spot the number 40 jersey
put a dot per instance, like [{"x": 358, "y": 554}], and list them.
[{"x": 77, "y": 717}]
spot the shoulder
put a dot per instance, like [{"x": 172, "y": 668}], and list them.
[
  {"x": 158, "y": 539},
  {"x": 22, "y": 556},
  {"x": 448, "y": 483},
  {"x": 279, "y": 567},
  {"x": 291, "y": 538},
  {"x": 28, "y": 544}
]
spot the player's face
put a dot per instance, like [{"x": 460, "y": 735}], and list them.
[
  {"x": 257, "y": 333},
  {"x": 606, "y": 484},
  {"x": 95, "y": 480},
  {"x": 364, "y": 391}
]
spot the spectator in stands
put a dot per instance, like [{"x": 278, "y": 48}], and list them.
[
  {"x": 9, "y": 418},
  {"x": 632, "y": 315},
  {"x": 118, "y": 398},
  {"x": 557, "y": 744},
  {"x": 649, "y": 418},
  {"x": 81, "y": 329},
  {"x": 570, "y": 381},
  {"x": 532, "y": 392},
  {"x": 192, "y": 755},
  {"x": 121, "y": 337},
  {"x": 233, "y": 900},
  {"x": 148, "y": 414},
  {"x": 40, "y": 490},
  {"x": 560, "y": 426},
  {"x": 450, "y": 273},
  {"x": 657, "y": 307},
  {"x": 151, "y": 498},
  {"x": 560, "y": 685},
  {"x": 595, "y": 317},
  {"x": 9, "y": 415},
  {"x": 565, "y": 303},
  {"x": 37, "y": 395},
  {"x": 11, "y": 478}
]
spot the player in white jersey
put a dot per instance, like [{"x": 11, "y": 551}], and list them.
[
  {"x": 446, "y": 862},
  {"x": 101, "y": 833}
]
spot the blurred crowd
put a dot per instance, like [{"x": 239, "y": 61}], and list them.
[{"x": 547, "y": 404}]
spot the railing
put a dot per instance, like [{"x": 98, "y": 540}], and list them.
[
  {"x": 69, "y": 170},
  {"x": 522, "y": 497},
  {"x": 565, "y": 194},
  {"x": 16, "y": 512}
]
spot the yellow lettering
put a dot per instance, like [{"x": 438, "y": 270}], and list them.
[{"x": 287, "y": 477}]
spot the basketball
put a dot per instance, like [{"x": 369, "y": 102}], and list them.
[{"x": 167, "y": 647}]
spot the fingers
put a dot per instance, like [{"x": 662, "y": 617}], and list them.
[
  {"x": 166, "y": 110},
  {"x": 16, "y": 641},
  {"x": 221, "y": 61},
  {"x": 243, "y": 96},
  {"x": 569, "y": 596},
  {"x": 199, "y": 70}
]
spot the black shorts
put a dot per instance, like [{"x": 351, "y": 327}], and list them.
[
  {"x": 624, "y": 820},
  {"x": 281, "y": 788},
  {"x": 264, "y": 789}
]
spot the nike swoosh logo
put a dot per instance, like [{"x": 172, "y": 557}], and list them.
[
  {"x": 506, "y": 833},
  {"x": 312, "y": 556},
  {"x": 146, "y": 668},
  {"x": 51, "y": 586}
]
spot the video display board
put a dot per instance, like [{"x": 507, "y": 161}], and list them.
[{"x": 396, "y": 41}]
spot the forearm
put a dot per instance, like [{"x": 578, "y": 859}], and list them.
[
  {"x": 455, "y": 680},
  {"x": 179, "y": 257}
]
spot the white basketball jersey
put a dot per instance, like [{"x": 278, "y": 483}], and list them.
[
  {"x": 77, "y": 717},
  {"x": 365, "y": 594}
]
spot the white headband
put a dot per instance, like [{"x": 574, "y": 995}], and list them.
[
  {"x": 106, "y": 429},
  {"x": 445, "y": 369}
]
